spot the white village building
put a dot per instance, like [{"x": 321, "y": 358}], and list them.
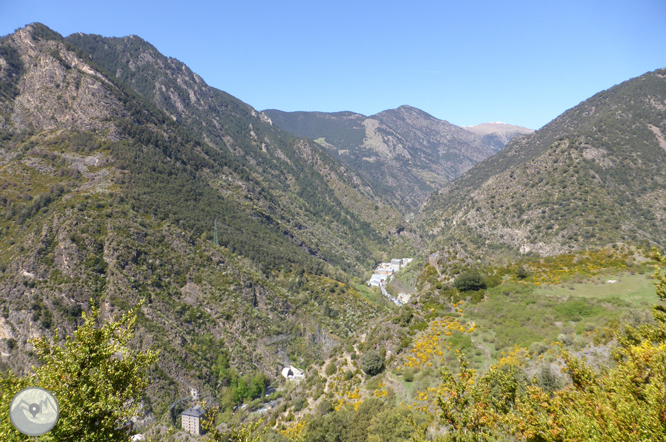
[
  {"x": 377, "y": 279},
  {"x": 292, "y": 373}
]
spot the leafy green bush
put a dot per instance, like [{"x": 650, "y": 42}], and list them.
[
  {"x": 477, "y": 296},
  {"x": 470, "y": 281},
  {"x": 299, "y": 404},
  {"x": 371, "y": 363},
  {"x": 324, "y": 407},
  {"x": 331, "y": 369},
  {"x": 493, "y": 281},
  {"x": 95, "y": 388},
  {"x": 405, "y": 316},
  {"x": 419, "y": 326},
  {"x": 522, "y": 272}
]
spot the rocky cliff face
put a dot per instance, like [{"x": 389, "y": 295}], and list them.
[
  {"x": 450, "y": 148},
  {"x": 405, "y": 152},
  {"x": 55, "y": 88}
]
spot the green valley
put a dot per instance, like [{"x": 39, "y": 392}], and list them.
[{"x": 178, "y": 266}]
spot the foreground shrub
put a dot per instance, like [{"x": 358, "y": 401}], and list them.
[{"x": 96, "y": 378}]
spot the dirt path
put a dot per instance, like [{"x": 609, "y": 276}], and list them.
[
  {"x": 396, "y": 386},
  {"x": 486, "y": 351}
]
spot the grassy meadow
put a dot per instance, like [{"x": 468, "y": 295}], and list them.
[{"x": 573, "y": 301}]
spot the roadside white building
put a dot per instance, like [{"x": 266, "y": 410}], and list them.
[
  {"x": 292, "y": 373},
  {"x": 377, "y": 279}
]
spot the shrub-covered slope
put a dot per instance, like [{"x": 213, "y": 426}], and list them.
[
  {"x": 321, "y": 202},
  {"x": 594, "y": 175}
]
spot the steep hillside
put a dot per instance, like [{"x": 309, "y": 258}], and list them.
[
  {"x": 405, "y": 152},
  {"x": 594, "y": 175},
  {"x": 107, "y": 200},
  {"x": 324, "y": 206},
  {"x": 497, "y": 134}
]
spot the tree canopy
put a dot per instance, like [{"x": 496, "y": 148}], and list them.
[
  {"x": 470, "y": 282},
  {"x": 96, "y": 378},
  {"x": 372, "y": 363}
]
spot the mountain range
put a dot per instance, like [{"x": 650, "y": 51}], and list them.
[
  {"x": 146, "y": 183},
  {"x": 404, "y": 152},
  {"x": 124, "y": 178}
]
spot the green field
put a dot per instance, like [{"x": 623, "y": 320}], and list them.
[
  {"x": 637, "y": 289},
  {"x": 533, "y": 316}
]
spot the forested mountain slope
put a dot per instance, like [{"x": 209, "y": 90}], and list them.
[
  {"x": 594, "y": 175},
  {"x": 405, "y": 152},
  {"x": 323, "y": 205},
  {"x": 107, "y": 200}
]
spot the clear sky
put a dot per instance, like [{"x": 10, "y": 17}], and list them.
[{"x": 466, "y": 61}]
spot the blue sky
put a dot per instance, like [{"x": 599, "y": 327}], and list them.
[{"x": 468, "y": 62}]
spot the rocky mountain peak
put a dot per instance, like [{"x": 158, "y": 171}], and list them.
[
  {"x": 497, "y": 134},
  {"x": 57, "y": 87},
  {"x": 405, "y": 152}
]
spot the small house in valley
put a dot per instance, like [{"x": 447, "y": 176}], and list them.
[{"x": 292, "y": 373}]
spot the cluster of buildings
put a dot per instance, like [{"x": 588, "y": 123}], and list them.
[{"x": 386, "y": 270}]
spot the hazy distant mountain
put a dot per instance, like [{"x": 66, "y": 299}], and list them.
[
  {"x": 594, "y": 175},
  {"x": 497, "y": 134},
  {"x": 405, "y": 152}
]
